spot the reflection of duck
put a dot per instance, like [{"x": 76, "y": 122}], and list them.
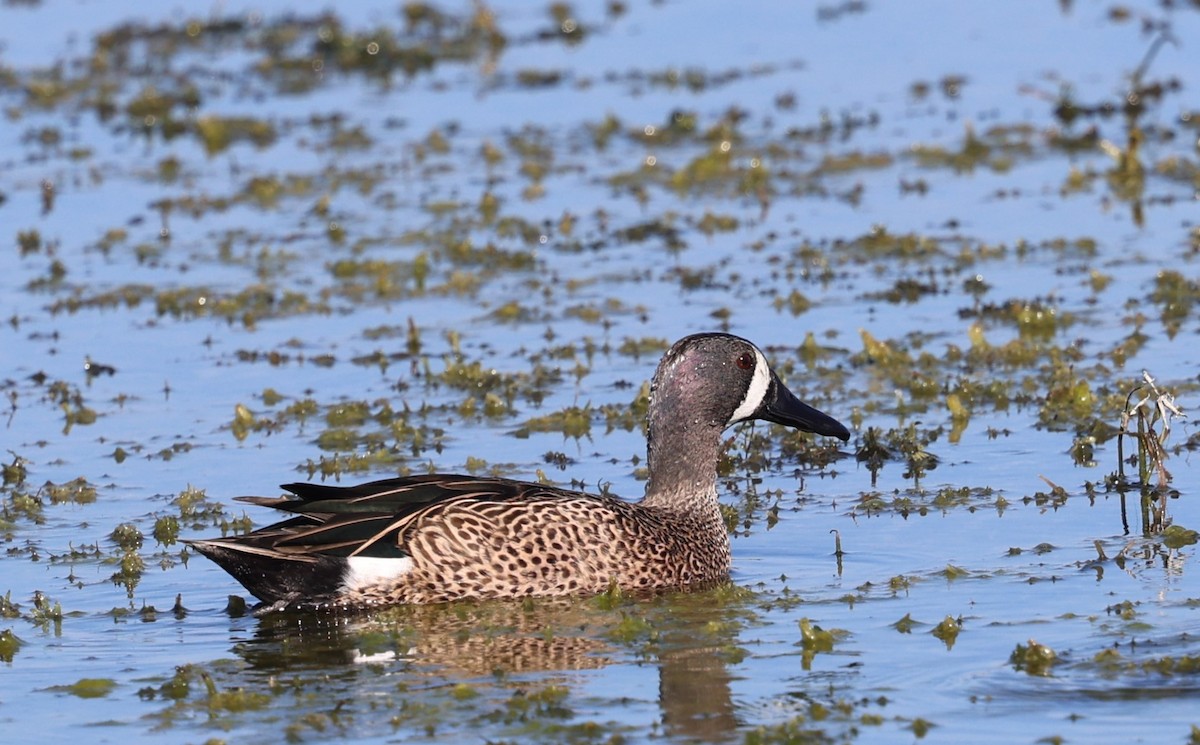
[
  {"x": 480, "y": 638},
  {"x": 425, "y": 539},
  {"x": 499, "y": 647}
]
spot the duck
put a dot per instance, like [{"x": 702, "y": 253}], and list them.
[{"x": 443, "y": 537}]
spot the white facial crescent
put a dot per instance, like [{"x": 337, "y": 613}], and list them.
[{"x": 755, "y": 392}]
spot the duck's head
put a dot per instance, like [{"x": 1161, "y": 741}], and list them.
[{"x": 716, "y": 380}]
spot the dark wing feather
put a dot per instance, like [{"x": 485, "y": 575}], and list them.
[
  {"x": 366, "y": 519},
  {"x": 398, "y": 496}
]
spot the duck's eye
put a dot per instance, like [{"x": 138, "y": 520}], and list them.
[{"x": 745, "y": 361}]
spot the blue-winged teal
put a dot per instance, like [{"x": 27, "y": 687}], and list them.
[{"x": 424, "y": 539}]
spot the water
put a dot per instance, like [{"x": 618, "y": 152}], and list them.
[{"x": 825, "y": 112}]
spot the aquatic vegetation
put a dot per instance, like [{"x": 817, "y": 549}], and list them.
[
  {"x": 9, "y": 609},
  {"x": 1034, "y": 659},
  {"x": 10, "y": 644},
  {"x": 815, "y": 640},
  {"x": 76, "y": 491},
  {"x": 905, "y": 625},
  {"x": 218, "y": 133},
  {"x": 947, "y": 631},
  {"x": 166, "y": 530},
  {"x": 1177, "y": 536},
  {"x": 88, "y": 688},
  {"x": 1155, "y": 409},
  {"x": 573, "y": 421}
]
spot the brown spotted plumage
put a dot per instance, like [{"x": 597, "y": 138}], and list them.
[{"x": 427, "y": 539}]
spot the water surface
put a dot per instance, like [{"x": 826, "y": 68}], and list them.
[{"x": 288, "y": 256}]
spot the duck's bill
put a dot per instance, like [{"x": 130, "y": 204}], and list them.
[{"x": 782, "y": 407}]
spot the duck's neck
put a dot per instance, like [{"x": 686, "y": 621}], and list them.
[{"x": 683, "y": 476}]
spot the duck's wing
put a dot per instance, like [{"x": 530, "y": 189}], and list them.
[
  {"x": 365, "y": 519},
  {"x": 368, "y": 519}
]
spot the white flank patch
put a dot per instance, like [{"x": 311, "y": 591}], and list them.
[
  {"x": 755, "y": 392},
  {"x": 368, "y": 571}
]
